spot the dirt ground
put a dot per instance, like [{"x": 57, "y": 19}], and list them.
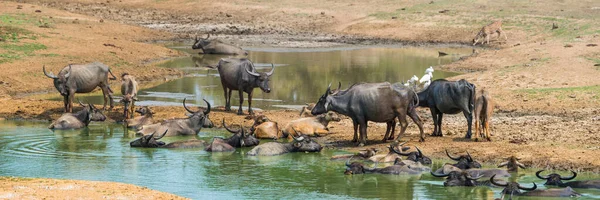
[{"x": 544, "y": 80}]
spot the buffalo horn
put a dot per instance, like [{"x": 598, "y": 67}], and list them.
[
  {"x": 339, "y": 86},
  {"x": 493, "y": 181},
  {"x": 208, "y": 35},
  {"x": 528, "y": 189},
  {"x": 521, "y": 165},
  {"x": 272, "y": 70},
  {"x": 468, "y": 176},
  {"x": 569, "y": 178},
  {"x": 503, "y": 164},
  {"x": 540, "y": 176},
  {"x": 49, "y": 75},
  {"x": 251, "y": 73},
  {"x": 397, "y": 152},
  {"x": 69, "y": 72},
  {"x": 469, "y": 158},
  {"x": 348, "y": 161},
  {"x": 419, "y": 150},
  {"x": 207, "y": 107},
  {"x": 163, "y": 135},
  {"x": 227, "y": 128},
  {"x": 151, "y": 135},
  {"x": 298, "y": 139},
  {"x": 81, "y": 104},
  {"x": 453, "y": 158},
  {"x": 186, "y": 108},
  {"x": 328, "y": 89},
  {"x": 439, "y": 175}
]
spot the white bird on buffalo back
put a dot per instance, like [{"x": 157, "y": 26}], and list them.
[{"x": 426, "y": 79}]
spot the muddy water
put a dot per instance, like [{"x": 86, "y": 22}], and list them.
[
  {"x": 101, "y": 152},
  {"x": 301, "y": 75}
]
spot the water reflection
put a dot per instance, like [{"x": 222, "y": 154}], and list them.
[{"x": 300, "y": 77}]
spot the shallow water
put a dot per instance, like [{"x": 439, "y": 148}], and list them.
[
  {"x": 301, "y": 75},
  {"x": 101, "y": 152}
]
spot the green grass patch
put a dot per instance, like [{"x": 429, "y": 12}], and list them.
[
  {"x": 14, "y": 34},
  {"x": 15, "y": 51}
]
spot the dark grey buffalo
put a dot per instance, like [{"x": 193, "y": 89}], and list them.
[
  {"x": 461, "y": 178},
  {"x": 129, "y": 91},
  {"x": 79, "y": 119},
  {"x": 513, "y": 188},
  {"x": 215, "y": 46},
  {"x": 300, "y": 144},
  {"x": 416, "y": 156},
  {"x": 237, "y": 140},
  {"x": 377, "y": 102},
  {"x": 240, "y": 74},
  {"x": 464, "y": 161},
  {"x": 82, "y": 79},
  {"x": 556, "y": 180},
  {"x": 175, "y": 127},
  {"x": 150, "y": 141},
  {"x": 397, "y": 169},
  {"x": 448, "y": 97}
]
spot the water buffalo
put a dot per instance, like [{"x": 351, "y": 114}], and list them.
[
  {"x": 461, "y": 178},
  {"x": 305, "y": 111},
  {"x": 139, "y": 121},
  {"x": 513, "y": 188},
  {"x": 219, "y": 145},
  {"x": 215, "y": 46},
  {"x": 129, "y": 92},
  {"x": 175, "y": 127},
  {"x": 359, "y": 168},
  {"x": 82, "y": 79},
  {"x": 263, "y": 128},
  {"x": 239, "y": 138},
  {"x": 449, "y": 97},
  {"x": 79, "y": 119},
  {"x": 484, "y": 109},
  {"x": 556, "y": 180},
  {"x": 300, "y": 144},
  {"x": 240, "y": 74},
  {"x": 378, "y": 102},
  {"x": 464, "y": 161},
  {"x": 416, "y": 156},
  {"x": 149, "y": 141},
  {"x": 512, "y": 164},
  {"x": 312, "y": 126}
]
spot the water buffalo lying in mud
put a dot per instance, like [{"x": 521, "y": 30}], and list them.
[
  {"x": 129, "y": 91},
  {"x": 237, "y": 140},
  {"x": 82, "y": 79},
  {"x": 79, "y": 119},
  {"x": 240, "y": 74},
  {"x": 377, "y": 102},
  {"x": 484, "y": 109},
  {"x": 416, "y": 156},
  {"x": 215, "y": 46},
  {"x": 300, "y": 144},
  {"x": 513, "y": 188},
  {"x": 556, "y": 180},
  {"x": 311, "y": 126},
  {"x": 175, "y": 127},
  {"x": 149, "y": 141},
  {"x": 512, "y": 164},
  {"x": 448, "y": 97},
  {"x": 263, "y": 128},
  {"x": 305, "y": 111},
  {"x": 461, "y": 178},
  {"x": 359, "y": 168},
  {"x": 139, "y": 121}
]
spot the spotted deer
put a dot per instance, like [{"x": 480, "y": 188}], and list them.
[{"x": 486, "y": 31}]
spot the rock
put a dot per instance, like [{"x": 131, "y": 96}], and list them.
[
  {"x": 591, "y": 45},
  {"x": 38, "y": 11},
  {"x": 568, "y": 45}
]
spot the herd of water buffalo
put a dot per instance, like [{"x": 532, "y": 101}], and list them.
[{"x": 394, "y": 103}]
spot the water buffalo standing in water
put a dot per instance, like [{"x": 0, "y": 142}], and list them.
[
  {"x": 377, "y": 102},
  {"x": 129, "y": 91},
  {"x": 175, "y": 127},
  {"x": 300, "y": 144},
  {"x": 139, "y": 121},
  {"x": 150, "y": 141},
  {"x": 240, "y": 74},
  {"x": 215, "y": 46},
  {"x": 79, "y": 119},
  {"x": 82, "y": 79},
  {"x": 556, "y": 180},
  {"x": 449, "y": 97},
  {"x": 513, "y": 188},
  {"x": 512, "y": 164},
  {"x": 237, "y": 140}
]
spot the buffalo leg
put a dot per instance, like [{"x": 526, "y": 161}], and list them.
[
  {"x": 434, "y": 118},
  {"x": 355, "y": 138},
  {"x": 70, "y": 101},
  {"x": 66, "y": 103},
  {"x": 110, "y": 97},
  {"x": 415, "y": 117},
  {"x": 363, "y": 133},
  {"x": 439, "y": 122},
  {"x": 240, "y": 112},
  {"x": 105, "y": 94},
  {"x": 250, "y": 112},
  {"x": 403, "y": 125},
  {"x": 469, "y": 117},
  {"x": 132, "y": 109},
  {"x": 227, "y": 99},
  {"x": 390, "y": 126}
]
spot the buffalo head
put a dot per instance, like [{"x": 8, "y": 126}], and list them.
[
  {"x": 555, "y": 179},
  {"x": 414, "y": 156},
  {"x": 262, "y": 78},
  {"x": 199, "y": 117},
  {"x": 144, "y": 110},
  {"x": 95, "y": 113},
  {"x": 60, "y": 81},
  {"x": 456, "y": 178},
  {"x": 303, "y": 143},
  {"x": 356, "y": 168},
  {"x": 511, "y": 187},
  {"x": 512, "y": 164},
  {"x": 464, "y": 161},
  {"x": 240, "y": 138},
  {"x": 323, "y": 103},
  {"x": 201, "y": 43},
  {"x": 148, "y": 141}
]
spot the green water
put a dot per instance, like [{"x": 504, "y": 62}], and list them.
[
  {"x": 101, "y": 152},
  {"x": 301, "y": 75}
]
